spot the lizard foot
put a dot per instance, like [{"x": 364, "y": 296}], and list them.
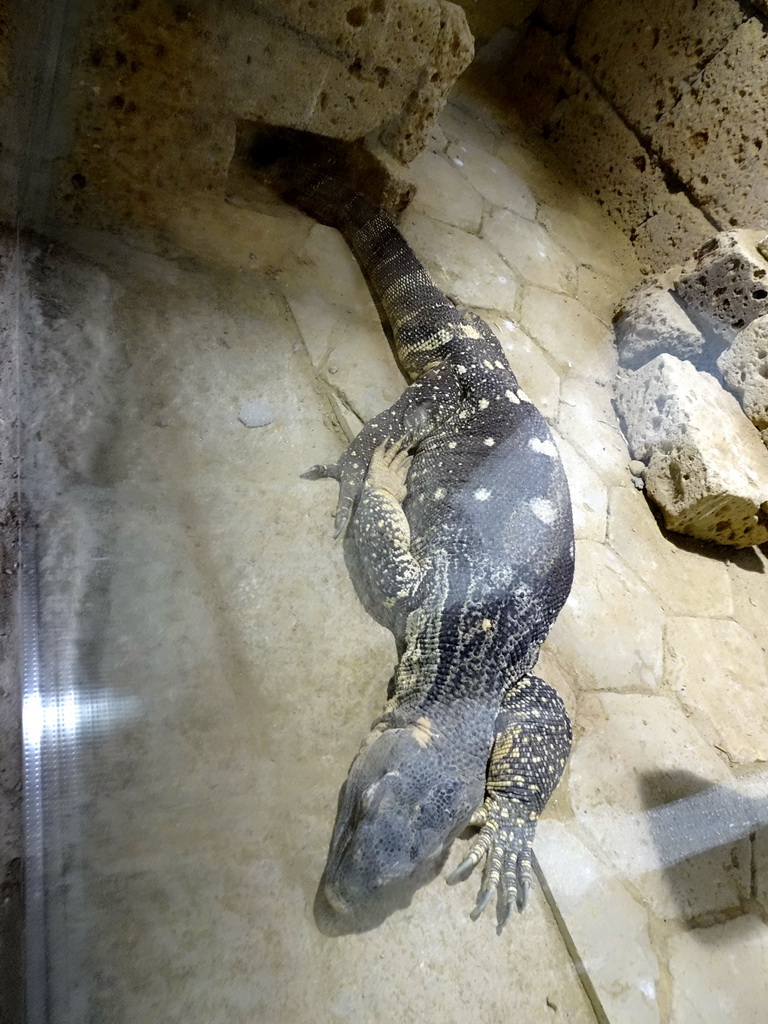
[
  {"x": 388, "y": 469},
  {"x": 321, "y": 472},
  {"x": 505, "y": 839}
]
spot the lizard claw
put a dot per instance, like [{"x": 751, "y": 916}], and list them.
[
  {"x": 505, "y": 840},
  {"x": 321, "y": 472}
]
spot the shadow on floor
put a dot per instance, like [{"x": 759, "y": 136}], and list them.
[{"x": 697, "y": 830}]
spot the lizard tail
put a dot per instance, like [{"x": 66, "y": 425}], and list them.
[{"x": 421, "y": 315}]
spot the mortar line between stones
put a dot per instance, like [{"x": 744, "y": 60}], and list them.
[{"x": 581, "y": 971}]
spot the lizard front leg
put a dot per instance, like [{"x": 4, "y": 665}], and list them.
[
  {"x": 532, "y": 744},
  {"x": 382, "y": 533},
  {"x": 428, "y": 402}
]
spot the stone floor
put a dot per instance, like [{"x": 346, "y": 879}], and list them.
[{"x": 215, "y": 673}]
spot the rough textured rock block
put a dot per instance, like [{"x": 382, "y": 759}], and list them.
[
  {"x": 707, "y": 467},
  {"x": 727, "y": 286},
  {"x": 714, "y": 137},
  {"x": 607, "y": 157},
  {"x": 653, "y": 322},
  {"x": 619, "y": 42},
  {"x": 744, "y": 366},
  {"x": 170, "y": 98},
  {"x": 671, "y": 234}
]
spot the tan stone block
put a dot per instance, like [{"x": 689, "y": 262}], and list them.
[
  {"x": 530, "y": 251},
  {"x": 725, "y": 286},
  {"x": 672, "y": 233},
  {"x": 653, "y": 322},
  {"x": 719, "y": 673},
  {"x": 744, "y": 366},
  {"x": 707, "y": 465},
  {"x": 714, "y": 137},
  {"x": 643, "y": 55},
  {"x": 684, "y": 582},
  {"x": 607, "y": 158}
]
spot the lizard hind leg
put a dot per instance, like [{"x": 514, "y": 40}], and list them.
[{"x": 532, "y": 744}]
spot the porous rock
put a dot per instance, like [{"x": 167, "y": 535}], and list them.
[
  {"x": 652, "y": 321},
  {"x": 707, "y": 468},
  {"x": 726, "y": 287},
  {"x": 744, "y": 366}
]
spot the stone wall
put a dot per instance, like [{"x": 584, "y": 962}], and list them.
[
  {"x": 659, "y": 108},
  {"x": 154, "y": 90}
]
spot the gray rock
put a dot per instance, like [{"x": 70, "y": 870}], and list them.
[
  {"x": 255, "y": 414},
  {"x": 726, "y": 288},
  {"x": 707, "y": 467},
  {"x": 651, "y": 322},
  {"x": 744, "y": 366}
]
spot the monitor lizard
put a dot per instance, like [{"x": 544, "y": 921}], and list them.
[{"x": 459, "y": 535}]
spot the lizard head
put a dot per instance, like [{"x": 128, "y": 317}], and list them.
[{"x": 399, "y": 810}]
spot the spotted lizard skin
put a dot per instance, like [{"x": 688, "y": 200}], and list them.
[{"x": 459, "y": 538}]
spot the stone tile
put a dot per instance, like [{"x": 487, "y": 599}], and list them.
[
  {"x": 326, "y": 265},
  {"x": 601, "y": 295},
  {"x": 444, "y": 193},
  {"x": 748, "y": 573},
  {"x": 466, "y": 268},
  {"x": 544, "y": 174},
  {"x": 531, "y": 366},
  {"x": 588, "y": 493},
  {"x": 719, "y": 974},
  {"x": 531, "y": 252},
  {"x": 493, "y": 179},
  {"x": 613, "y": 39},
  {"x": 607, "y": 927},
  {"x": 660, "y": 806},
  {"x": 333, "y": 308},
  {"x": 588, "y": 421},
  {"x": 714, "y": 136},
  {"x": 572, "y": 335},
  {"x": 628, "y": 655},
  {"x": 588, "y": 234},
  {"x": 234, "y": 235},
  {"x": 720, "y": 675},
  {"x": 685, "y": 582},
  {"x": 459, "y": 126}
]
